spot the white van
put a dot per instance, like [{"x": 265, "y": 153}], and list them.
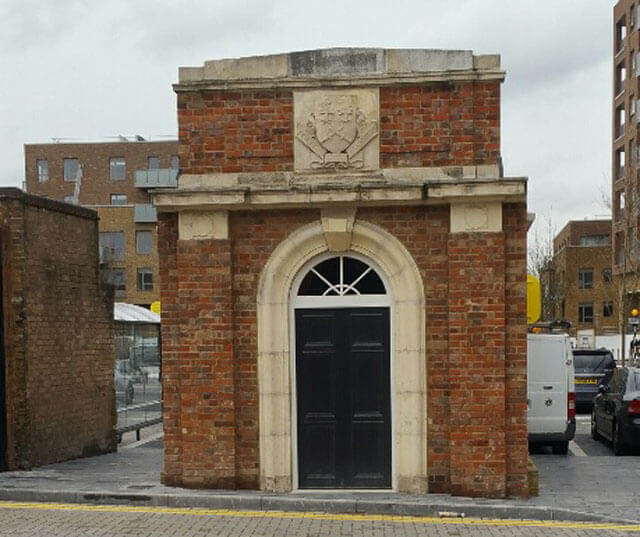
[{"x": 551, "y": 404}]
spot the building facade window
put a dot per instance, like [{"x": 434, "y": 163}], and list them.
[
  {"x": 621, "y": 76},
  {"x": 144, "y": 242},
  {"x": 118, "y": 279},
  {"x": 69, "y": 199},
  {"x": 620, "y": 161},
  {"x": 607, "y": 309},
  {"x": 112, "y": 245},
  {"x": 585, "y": 278},
  {"x": 619, "y": 248},
  {"x": 621, "y": 34},
  {"x": 175, "y": 162},
  {"x": 594, "y": 240},
  {"x": 145, "y": 279},
  {"x": 43, "y": 170},
  {"x": 117, "y": 168},
  {"x": 585, "y": 312},
  {"x": 619, "y": 204},
  {"x": 153, "y": 163},
  {"x": 71, "y": 168},
  {"x": 620, "y": 121},
  {"x": 118, "y": 199}
]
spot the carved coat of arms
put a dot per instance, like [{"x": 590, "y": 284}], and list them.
[{"x": 336, "y": 131}]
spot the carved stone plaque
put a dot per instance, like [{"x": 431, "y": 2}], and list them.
[{"x": 336, "y": 130}]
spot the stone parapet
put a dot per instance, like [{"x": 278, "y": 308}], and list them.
[{"x": 339, "y": 67}]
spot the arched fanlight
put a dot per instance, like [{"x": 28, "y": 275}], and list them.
[{"x": 341, "y": 276}]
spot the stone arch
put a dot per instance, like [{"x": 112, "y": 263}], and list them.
[{"x": 408, "y": 390}]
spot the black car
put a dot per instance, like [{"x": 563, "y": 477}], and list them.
[
  {"x": 616, "y": 410},
  {"x": 594, "y": 367}
]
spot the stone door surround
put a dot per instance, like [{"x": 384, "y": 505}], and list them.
[{"x": 409, "y": 471}]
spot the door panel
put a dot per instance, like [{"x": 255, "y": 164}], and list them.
[
  {"x": 343, "y": 394},
  {"x": 317, "y": 421}
]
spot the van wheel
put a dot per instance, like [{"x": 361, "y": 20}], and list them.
[
  {"x": 616, "y": 443},
  {"x": 560, "y": 448},
  {"x": 594, "y": 426}
]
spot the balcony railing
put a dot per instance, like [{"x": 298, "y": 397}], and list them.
[
  {"x": 145, "y": 212},
  {"x": 160, "y": 178}
]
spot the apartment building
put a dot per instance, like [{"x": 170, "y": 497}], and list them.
[
  {"x": 115, "y": 179},
  {"x": 578, "y": 284},
  {"x": 625, "y": 154}
]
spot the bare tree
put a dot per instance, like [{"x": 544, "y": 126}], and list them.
[{"x": 541, "y": 263}]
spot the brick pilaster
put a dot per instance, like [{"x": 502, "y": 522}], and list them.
[
  {"x": 203, "y": 441},
  {"x": 515, "y": 226},
  {"x": 477, "y": 363}
]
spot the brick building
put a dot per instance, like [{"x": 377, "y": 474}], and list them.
[
  {"x": 578, "y": 284},
  {"x": 115, "y": 181},
  {"x": 625, "y": 155},
  {"x": 343, "y": 277},
  {"x": 56, "y": 332}
]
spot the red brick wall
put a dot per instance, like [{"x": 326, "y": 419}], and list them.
[
  {"x": 235, "y": 131},
  {"x": 468, "y": 370},
  {"x": 440, "y": 124},
  {"x": 477, "y": 363},
  {"x": 514, "y": 224},
  {"x": 59, "y": 335},
  {"x": 171, "y": 343}
]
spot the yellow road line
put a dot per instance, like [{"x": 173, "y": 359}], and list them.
[{"x": 318, "y": 516}]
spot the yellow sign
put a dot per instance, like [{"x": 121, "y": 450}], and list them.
[
  {"x": 534, "y": 299},
  {"x": 155, "y": 307}
]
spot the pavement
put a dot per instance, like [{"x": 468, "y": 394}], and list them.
[{"x": 574, "y": 488}]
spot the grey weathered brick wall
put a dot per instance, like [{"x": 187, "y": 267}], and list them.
[{"x": 58, "y": 333}]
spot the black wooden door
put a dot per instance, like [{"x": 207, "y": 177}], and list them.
[
  {"x": 343, "y": 398},
  {"x": 3, "y": 384}
]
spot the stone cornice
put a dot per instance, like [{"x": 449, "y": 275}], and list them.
[
  {"x": 340, "y": 67},
  {"x": 361, "y": 190}
]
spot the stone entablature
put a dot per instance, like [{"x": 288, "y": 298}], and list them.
[{"x": 341, "y": 67}]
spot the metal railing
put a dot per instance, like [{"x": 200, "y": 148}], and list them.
[{"x": 138, "y": 384}]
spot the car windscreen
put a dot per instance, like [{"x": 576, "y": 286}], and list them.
[{"x": 593, "y": 363}]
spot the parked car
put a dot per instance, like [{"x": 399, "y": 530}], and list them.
[
  {"x": 616, "y": 410},
  {"x": 593, "y": 368},
  {"x": 124, "y": 385},
  {"x": 551, "y": 413}
]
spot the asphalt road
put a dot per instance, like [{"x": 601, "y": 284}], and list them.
[{"x": 52, "y": 520}]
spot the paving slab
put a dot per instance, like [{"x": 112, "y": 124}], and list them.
[{"x": 571, "y": 488}]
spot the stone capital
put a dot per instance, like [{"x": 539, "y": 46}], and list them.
[
  {"x": 201, "y": 225},
  {"x": 480, "y": 216}
]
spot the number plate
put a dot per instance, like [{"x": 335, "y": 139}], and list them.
[{"x": 587, "y": 381}]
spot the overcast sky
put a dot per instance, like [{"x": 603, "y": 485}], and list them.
[{"x": 91, "y": 69}]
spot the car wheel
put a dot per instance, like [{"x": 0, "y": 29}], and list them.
[
  {"x": 560, "y": 448},
  {"x": 616, "y": 443},
  {"x": 594, "y": 427}
]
